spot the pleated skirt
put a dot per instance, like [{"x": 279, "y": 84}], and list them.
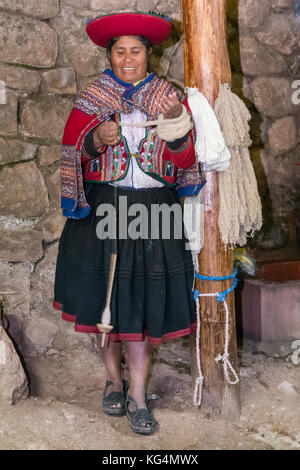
[{"x": 152, "y": 293}]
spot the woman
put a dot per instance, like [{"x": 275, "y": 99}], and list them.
[{"x": 152, "y": 298}]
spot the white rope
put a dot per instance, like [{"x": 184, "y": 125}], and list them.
[
  {"x": 200, "y": 378},
  {"x": 225, "y": 357}
]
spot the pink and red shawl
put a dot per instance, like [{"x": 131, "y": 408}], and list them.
[{"x": 95, "y": 104}]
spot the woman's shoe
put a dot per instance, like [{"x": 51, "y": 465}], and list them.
[
  {"x": 141, "y": 420},
  {"x": 114, "y": 403}
]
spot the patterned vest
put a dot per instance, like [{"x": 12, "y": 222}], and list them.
[
  {"x": 103, "y": 98},
  {"x": 113, "y": 164}
]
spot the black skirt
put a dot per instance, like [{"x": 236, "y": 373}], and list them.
[{"x": 152, "y": 293}]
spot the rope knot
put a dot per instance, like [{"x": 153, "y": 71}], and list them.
[
  {"x": 198, "y": 389},
  {"x": 221, "y": 297},
  {"x": 221, "y": 357}
]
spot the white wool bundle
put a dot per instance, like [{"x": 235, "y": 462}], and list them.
[
  {"x": 212, "y": 152},
  {"x": 210, "y": 145},
  {"x": 240, "y": 205},
  {"x": 172, "y": 129},
  {"x": 193, "y": 224}
]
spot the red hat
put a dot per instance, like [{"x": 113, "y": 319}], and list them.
[{"x": 155, "y": 27}]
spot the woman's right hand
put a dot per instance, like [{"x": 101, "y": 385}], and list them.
[{"x": 106, "y": 134}]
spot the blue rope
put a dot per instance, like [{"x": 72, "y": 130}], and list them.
[{"x": 221, "y": 297}]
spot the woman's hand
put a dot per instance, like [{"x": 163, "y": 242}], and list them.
[
  {"x": 171, "y": 106},
  {"x": 106, "y": 134}
]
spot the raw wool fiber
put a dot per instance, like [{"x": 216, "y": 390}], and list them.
[{"x": 240, "y": 205}]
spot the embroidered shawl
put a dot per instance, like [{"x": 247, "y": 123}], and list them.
[{"x": 95, "y": 104}]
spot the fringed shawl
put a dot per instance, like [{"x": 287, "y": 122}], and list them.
[{"x": 95, "y": 104}]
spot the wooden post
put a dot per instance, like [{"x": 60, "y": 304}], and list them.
[{"x": 206, "y": 66}]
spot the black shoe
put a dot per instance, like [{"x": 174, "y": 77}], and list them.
[
  {"x": 114, "y": 403},
  {"x": 141, "y": 420}
]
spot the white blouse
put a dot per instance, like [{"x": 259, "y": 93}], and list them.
[{"x": 135, "y": 177}]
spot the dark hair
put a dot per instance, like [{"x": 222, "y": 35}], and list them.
[{"x": 113, "y": 41}]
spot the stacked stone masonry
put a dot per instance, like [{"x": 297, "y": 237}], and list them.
[{"x": 46, "y": 59}]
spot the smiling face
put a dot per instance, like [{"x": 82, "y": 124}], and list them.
[{"x": 129, "y": 59}]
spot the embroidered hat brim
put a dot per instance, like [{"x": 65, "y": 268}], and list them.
[{"x": 156, "y": 28}]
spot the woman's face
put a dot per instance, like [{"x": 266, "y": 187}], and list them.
[{"x": 129, "y": 59}]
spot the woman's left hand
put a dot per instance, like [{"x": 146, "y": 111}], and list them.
[{"x": 171, "y": 106}]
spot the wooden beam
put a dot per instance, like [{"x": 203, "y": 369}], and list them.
[{"x": 206, "y": 65}]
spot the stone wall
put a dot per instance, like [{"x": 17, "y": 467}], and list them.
[
  {"x": 264, "y": 45},
  {"x": 45, "y": 59}
]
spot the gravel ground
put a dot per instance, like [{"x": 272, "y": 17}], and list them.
[{"x": 63, "y": 411}]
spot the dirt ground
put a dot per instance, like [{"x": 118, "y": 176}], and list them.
[{"x": 63, "y": 411}]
